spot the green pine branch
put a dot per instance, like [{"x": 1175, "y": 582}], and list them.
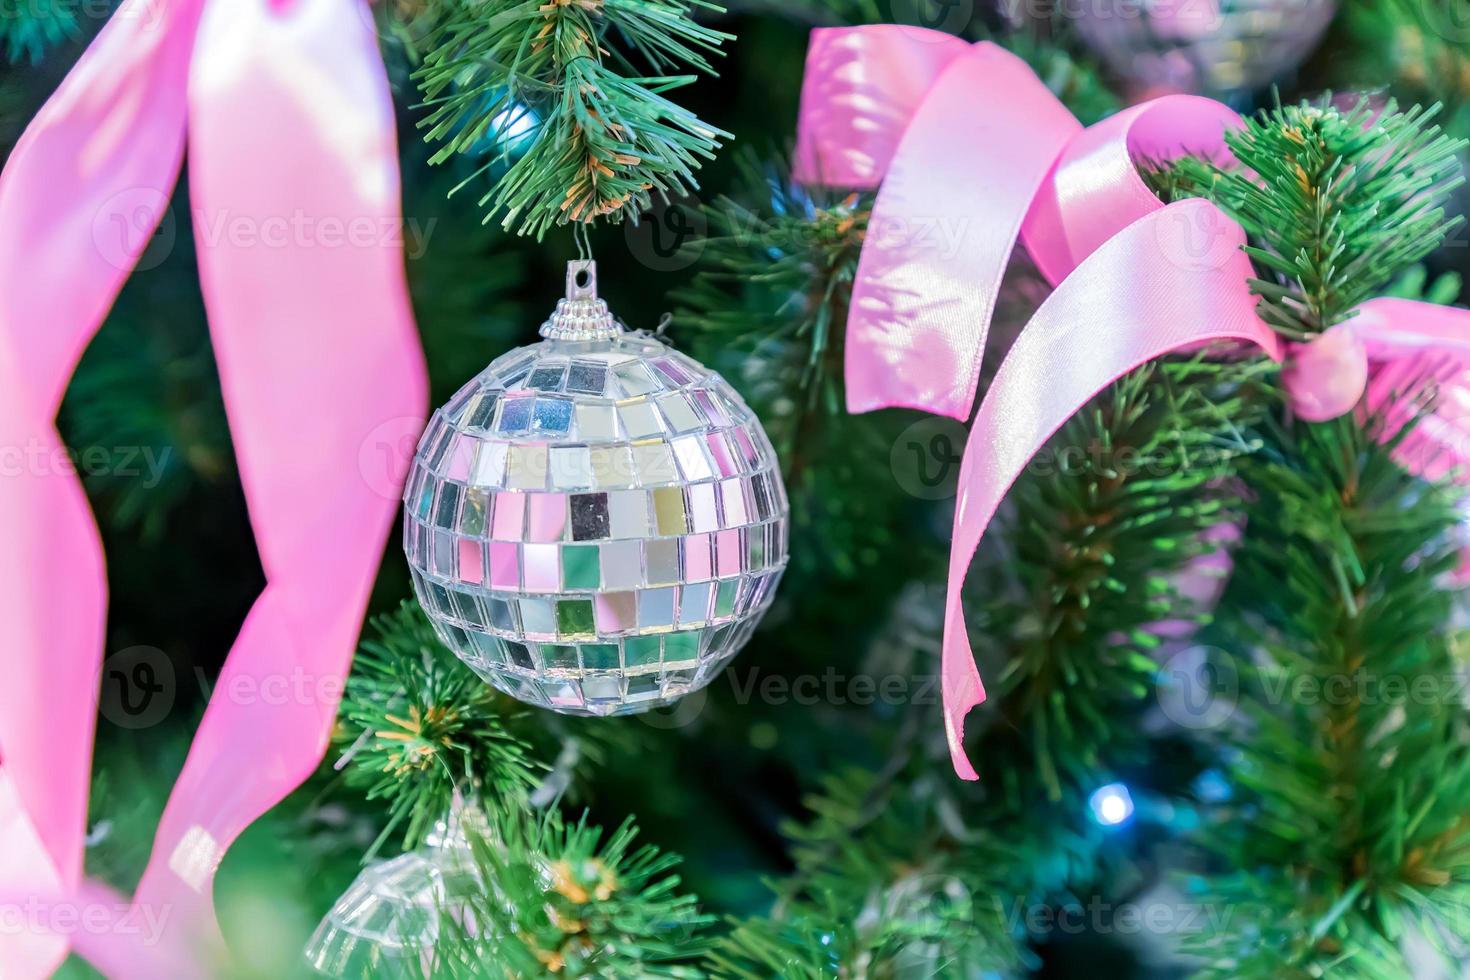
[
  {"x": 1351, "y": 765},
  {"x": 419, "y": 728},
  {"x": 767, "y": 306},
  {"x": 145, "y": 403},
  {"x": 1065, "y": 631},
  {"x": 1336, "y": 203},
  {"x": 883, "y": 888},
  {"x": 1347, "y": 830},
  {"x": 604, "y": 139},
  {"x": 560, "y": 900},
  {"x": 772, "y": 287}
]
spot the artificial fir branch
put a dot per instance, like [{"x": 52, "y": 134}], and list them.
[
  {"x": 1414, "y": 283},
  {"x": 923, "y": 889},
  {"x": 559, "y": 900},
  {"x": 149, "y": 387},
  {"x": 1351, "y": 760},
  {"x": 1066, "y": 629},
  {"x": 1336, "y": 203},
  {"x": 419, "y": 728},
  {"x": 1348, "y": 829},
  {"x": 768, "y": 307},
  {"x": 604, "y": 140},
  {"x": 884, "y": 888}
]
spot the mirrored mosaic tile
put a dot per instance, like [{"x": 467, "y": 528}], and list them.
[
  {"x": 590, "y": 520},
  {"x": 571, "y": 468},
  {"x": 489, "y": 466},
  {"x": 612, "y": 466},
  {"x": 634, "y": 378},
  {"x": 641, "y": 420},
  {"x": 525, "y": 467},
  {"x": 514, "y": 416},
  {"x": 551, "y": 416},
  {"x": 597, "y": 423},
  {"x": 680, "y": 413},
  {"x": 587, "y": 378},
  {"x": 622, "y": 564},
  {"x": 653, "y": 462},
  {"x": 628, "y": 513},
  {"x": 547, "y": 377}
]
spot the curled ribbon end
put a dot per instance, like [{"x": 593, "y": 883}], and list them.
[
  {"x": 954, "y": 733},
  {"x": 960, "y": 683}
]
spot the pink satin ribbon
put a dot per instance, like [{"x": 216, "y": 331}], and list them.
[
  {"x": 295, "y": 199},
  {"x": 963, "y": 175},
  {"x": 1409, "y": 344}
]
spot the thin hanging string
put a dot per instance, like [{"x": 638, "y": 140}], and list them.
[{"x": 584, "y": 243}]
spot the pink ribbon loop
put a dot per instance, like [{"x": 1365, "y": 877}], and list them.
[
  {"x": 942, "y": 230},
  {"x": 1128, "y": 303},
  {"x": 1095, "y": 190},
  {"x": 860, "y": 90},
  {"x": 290, "y": 127},
  {"x": 111, "y": 138}
]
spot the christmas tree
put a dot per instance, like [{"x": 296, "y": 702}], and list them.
[{"x": 1226, "y": 732}]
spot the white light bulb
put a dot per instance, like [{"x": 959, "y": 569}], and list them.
[
  {"x": 1112, "y": 805},
  {"x": 514, "y": 123}
]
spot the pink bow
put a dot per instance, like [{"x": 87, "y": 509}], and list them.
[
  {"x": 295, "y": 198},
  {"x": 963, "y": 176}
]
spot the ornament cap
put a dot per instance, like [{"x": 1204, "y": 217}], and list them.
[{"x": 581, "y": 315}]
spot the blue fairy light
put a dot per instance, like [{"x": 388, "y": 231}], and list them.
[{"x": 1112, "y": 805}]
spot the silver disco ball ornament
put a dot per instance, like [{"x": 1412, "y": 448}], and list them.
[
  {"x": 388, "y": 920},
  {"x": 1211, "y": 47},
  {"x": 597, "y": 522}
]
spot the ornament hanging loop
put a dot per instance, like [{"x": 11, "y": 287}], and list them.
[
  {"x": 582, "y": 279},
  {"x": 581, "y": 315}
]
